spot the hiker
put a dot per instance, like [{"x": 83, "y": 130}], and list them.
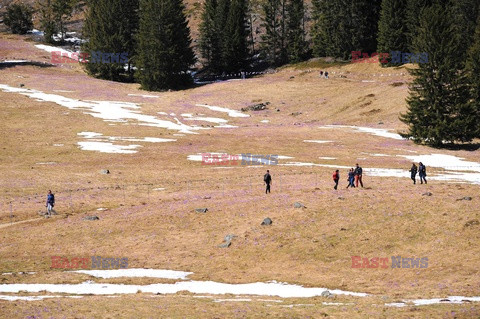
[
  {"x": 351, "y": 178},
  {"x": 321, "y": 74},
  {"x": 413, "y": 173},
  {"x": 336, "y": 178},
  {"x": 267, "y": 178},
  {"x": 50, "y": 203},
  {"x": 422, "y": 172},
  {"x": 358, "y": 175},
  {"x": 326, "y": 74}
]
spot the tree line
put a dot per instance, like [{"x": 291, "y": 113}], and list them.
[{"x": 443, "y": 105}]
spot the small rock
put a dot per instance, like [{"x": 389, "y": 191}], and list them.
[
  {"x": 427, "y": 194},
  {"x": 267, "y": 221},
  {"x": 465, "y": 198},
  {"x": 22, "y": 85},
  {"x": 341, "y": 198},
  {"x": 105, "y": 171},
  {"x": 343, "y": 228},
  {"x": 278, "y": 110},
  {"x": 229, "y": 237},
  {"x": 326, "y": 293},
  {"x": 380, "y": 123},
  {"x": 296, "y": 113},
  {"x": 292, "y": 77},
  {"x": 473, "y": 222},
  {"x": 91, "y": 218},
  {"x": 225, "y": 245},
  {"x": 298, "y": 205},
  {"x": 201, "y": 210},
  {"x": 256, "y": 107},
  {"x": 207, "y": 197}
]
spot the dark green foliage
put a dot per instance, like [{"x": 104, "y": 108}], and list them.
[
  {"x": 274, "y": 38},
  {"x": 296, "y": 44},
  {"x": 439, "y": 108},
  {"x": 414, "y": 10},
  {"x": 342, "y": 26},
  {"x": 110, "y": 26},
  {"x": 392, "y": 29},
  {"x": 473, "y": 71},
  {"x": 211, "y": 36},
  {"x": 47, "y": 20},
  {"x": 164, "y": 53},
  {"x": 19, "y": 18},
  {"x": 235, "y": 49}
]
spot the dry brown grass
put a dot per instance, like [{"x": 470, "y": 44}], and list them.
[{"x": 159, "y": 229}]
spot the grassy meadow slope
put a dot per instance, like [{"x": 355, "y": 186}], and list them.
[{"x": 157, "y": 228}]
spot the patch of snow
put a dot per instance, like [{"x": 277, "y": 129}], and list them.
[
  {"x": 102, "y": 209},
  {"x": 159, "y": 189},
  {"x": 63, "y": 91},
  {"x": 448, "y": 162},
  {"x": 374, "y": 131},
  {"x": 145, "y": 95},
  {"x": 231, "y": 113},
  {"x": 58, "y": 145},
  {"x": 107, "y": 110},
  {"x": 63, "y": 52},
  {"x": 186, "y": 115},
  {"x": 327, "y": 158},
  {"x": 229, "y": 300},
  {"x": 36, "y": 32},
  {"x": 46, "y": 163},
  {"x": 265, "y": 121},
  {"x": 15, "y": 61},
  {"x": 317, "y": 141},
  {"x": 136, "y": 272},
  {"x": 282, "y": 290},
  {"x": 106, "y": 147},
  {"x": 33, "y": 298}
]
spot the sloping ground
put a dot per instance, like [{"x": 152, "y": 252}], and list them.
[{"x": 147, "y": 201}]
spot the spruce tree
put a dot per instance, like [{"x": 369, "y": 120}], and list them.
[
  {"x": 235, "y": 50},
  {"x": 274, "y": 39},
  {"x": 438, "y": 106},
  {"x": 109, "y": 27},
  {"x": 47, "y": 20},
  {"x": 414, "y": 10},
  {"x": 19, "y": 18},
  {"x": 164, "y": 52},
  {"x": 210, "y": 38},
  {"x": 62, "y": 11},
  {"x": 365, "y": 16},
  {"x": 296, "y": 44},
  {"x": 392, "y": 29},
  {"x": 319, "y": 30},
  {"x": 473, "y": 71}
]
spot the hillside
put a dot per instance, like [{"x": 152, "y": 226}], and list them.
[{"x": 61, "y": 128}]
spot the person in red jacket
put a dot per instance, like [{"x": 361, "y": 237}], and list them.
[{"x": 336, "y": 178}]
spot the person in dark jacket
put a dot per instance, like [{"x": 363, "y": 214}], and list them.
[
  {"x": 413, "y": 173},
  {"x": 50, "y": 203},
  {"x": 351, "y": 178},
  {"x": 358, "y": 175},
  {"x": 267, "y": 178},
  {"x": 336, "y": 178},
  {"x": 422, "y": 172}
]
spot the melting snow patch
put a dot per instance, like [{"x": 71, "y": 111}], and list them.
[
  {"x": 375, "y": 131},
  {"x": 327, "y": 158},
  {"x": 33, "y": 298},
  {"x": 159, "y": 189},
  {"x": 106, "y": 147},
  {"x": 136, "y": 272},
  {"x": 144, "y": 95},
  {"x": 63, "y": 52},
  {"x": 317, "y": 141},
  {"x": 448, "y": 162},
  {"x": 107, "y": 110},
  {"x": 207, "y": 119},
  {"x": 265, "y": 121},
  {"x": 197, "y": 287},
  {"x": 231, "y": 113}
]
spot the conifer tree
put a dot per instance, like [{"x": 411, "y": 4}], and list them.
[
  {"x": 438, "y": 106},
  {"x": 109, "y": 27},
  {"x": 47, "y": 20},
  {"x": 19, "y": 18},
  {"x": 210, "y": 37},
  {"x": 235, "y": 50},
  {"x": 392, "y": 29},
  {"x": 473, "y": 71},
  {"x": 296, "y": 44},
  {"x": 164, "y": 52}
]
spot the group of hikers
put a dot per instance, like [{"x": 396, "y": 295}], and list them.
[
  {"x": 354, "y": 177},
  {"x": 422, "y": 172},
  {"x": 322, "y": 74}
]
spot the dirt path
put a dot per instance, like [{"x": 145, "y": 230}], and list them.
[{"x": 20, "y": 222}]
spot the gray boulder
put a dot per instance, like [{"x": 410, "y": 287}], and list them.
[
  {"x": 326, "y": 293},
  {"x": 105, "y": 171},
  {"x": 201, "y": 210},
  {"x": 267, "y": 221},
  {"x": 465, "y": 198},
  {"x": 298, "y": 205},
  {"x": 91, "y": 218},
  {"x": 427, "y": 194}
]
